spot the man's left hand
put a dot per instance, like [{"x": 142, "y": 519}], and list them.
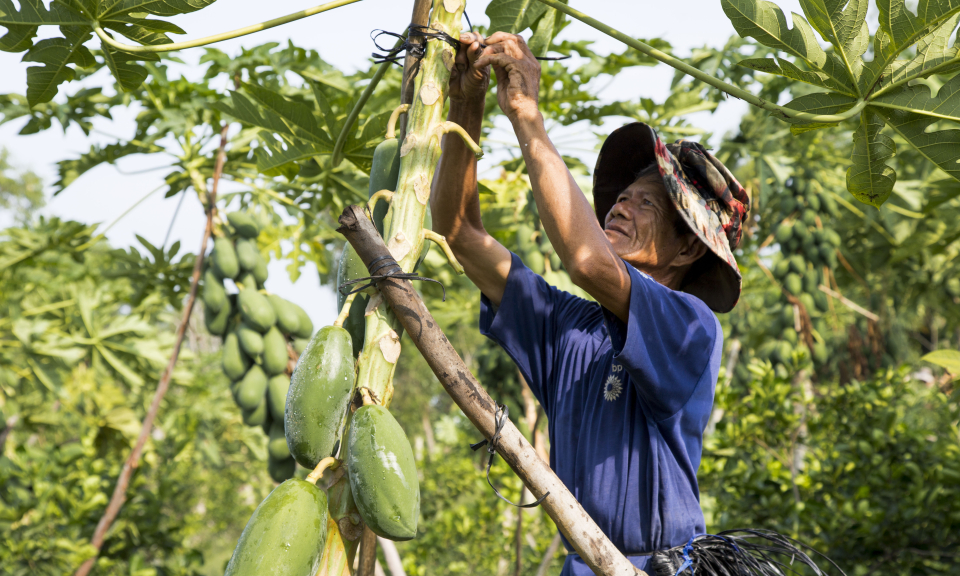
[{"x": 518, "y": 75}]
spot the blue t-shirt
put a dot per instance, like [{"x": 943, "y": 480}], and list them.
[{"x": 626, "y": 403}]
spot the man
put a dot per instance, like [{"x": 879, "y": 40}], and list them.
[{"x": 627, "y": 381}]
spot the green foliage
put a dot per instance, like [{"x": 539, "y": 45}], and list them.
[{"x": 21, "y": 192}]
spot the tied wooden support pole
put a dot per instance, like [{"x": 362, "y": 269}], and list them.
[
  {"x": 368, "y": 553},
  {"x": 573, "y": 521}
]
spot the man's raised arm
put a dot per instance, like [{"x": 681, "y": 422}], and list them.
[
  {"x": 454, "y": 199},
  {"x": 568, "y": 218}
]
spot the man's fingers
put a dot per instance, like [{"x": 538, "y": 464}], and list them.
[
  {"x": 501, "y": 37},
  {"x": 494, "y": 55}
]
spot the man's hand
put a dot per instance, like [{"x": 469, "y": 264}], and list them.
[
  {"x": 518, "y": 75},
  {"x": 469, "y": 82}
]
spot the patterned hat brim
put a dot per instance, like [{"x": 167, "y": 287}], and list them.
[{"x": 633, "y": 147}]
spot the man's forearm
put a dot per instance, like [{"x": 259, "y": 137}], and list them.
[{"x": 454, "y": 202}]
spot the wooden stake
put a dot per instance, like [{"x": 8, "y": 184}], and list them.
[{"x": 581, "y": 531}]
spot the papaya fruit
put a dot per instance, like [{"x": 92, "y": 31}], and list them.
[
  {"x": 383, "y": 473},
  {"x": 246, "y": 279},
  {"x": 793, "y": 283},
  {"x": 214, "y": 295},
  {"x": 809, "y": 217},
  {"x": 257, "y": 416},
  {"x": 281, "y": 470},
  {"x": 235, "y": 363},
  {"x": 277, "y": 388},
  {"x": 277, "y": 443},
  {"x": 247, "y": 253},
  {"x": 797, "y": 264},
  {"x": 555, "y": 262},
  {"x": 224, "y": 258},
  {"x": 384, "y": 174},
  {"x": 321, "y": 389},
  {"x": 286, "y": 534},
  {"x": 251, "y": 341},
  {"x": 784, "y": 232},
  {"x": 790, "y": 335},
  {"x": 260, "y": 270},
  {"x": 256, "y": 309},
  {"x": 953, "y": 287},
  {"x": 533, "y": 258},
  {"x": 786, "y": 315},
  {"x": 800, "y": 232},
  {"x": 811, "y": 280},
  {"x": 244, "y": 224},
  {"x": 356, "y": 323},
  {"x": 300, "y": 344},
  {"x": 808, "y": 303},
  {"x": 275, "y": 353},
  {"x": 813, "y": 200},
  {"x": 820, "y": 299},
  {"x": 216, "y": 322},
  {"x": 830, "y": 205},
  {"x": 305, "y": 325},
  {"x": 349, "y": 268},
  {"x": 287, "y": 318},
  {"x": 252, "y": 388},
  {"x": 525, "y": 241},
  {"x": 781, "y": 269}
]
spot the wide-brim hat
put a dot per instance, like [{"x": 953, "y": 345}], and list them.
[{"x": 705, "y": 193}]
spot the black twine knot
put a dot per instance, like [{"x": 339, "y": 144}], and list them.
[
  {"x": 500, "y": 418},
  {"x": 390, "y": 270},
  {"x": 415, "y": 49}
]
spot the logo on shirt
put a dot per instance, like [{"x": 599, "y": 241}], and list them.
[{"x": 613, "y": 386}]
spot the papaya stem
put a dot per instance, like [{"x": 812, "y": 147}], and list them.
[
  {"x": 345, "y": 311},
  {"x": 337, "y": 156},
  {"x": 369, "y": 397},
  {"x": 385, "y": 195},
  {"x": 682, "y": 66},
  {"x": 442, "y": 243},
  {"x": 448, "y": 127},
  {"x": 394, "y": 117},
  {"x": 131, "y": 49},
  {"x": 328, "y": 462}
]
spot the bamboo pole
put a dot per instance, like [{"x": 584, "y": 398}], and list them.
[{"x": 573, "y": 521}]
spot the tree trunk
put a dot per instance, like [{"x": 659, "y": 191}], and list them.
[{"x": 581, "y": 531}]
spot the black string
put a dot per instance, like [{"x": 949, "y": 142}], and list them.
[
  {"x": 419, "y": 50},
  {"x": 500, "y": 418},
  {"x": 393, "y": 271}
]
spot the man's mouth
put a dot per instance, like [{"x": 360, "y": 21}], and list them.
[{"x": 614, "y": 228}]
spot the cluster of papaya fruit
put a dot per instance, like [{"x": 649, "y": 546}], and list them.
[
  {"x": 808, "y": 254},
  {"x": 259, "y": 330},
  {"x": 328, "y": 424}
]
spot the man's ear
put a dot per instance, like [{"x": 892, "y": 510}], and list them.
[{"x": 693, "y": 249}]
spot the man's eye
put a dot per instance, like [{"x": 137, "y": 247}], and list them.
[{"x": 646, "y": 201}]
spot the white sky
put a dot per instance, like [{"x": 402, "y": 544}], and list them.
[{"x": 342, "y": 38}]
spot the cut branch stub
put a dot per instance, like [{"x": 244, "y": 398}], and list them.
[{"x": 573, "y": 521}]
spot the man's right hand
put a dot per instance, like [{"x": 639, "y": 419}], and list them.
[{"x": 468, "y": 83}]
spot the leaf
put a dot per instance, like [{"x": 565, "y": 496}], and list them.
[
  {"x": 270, "y": 162},
  {"x": 513, "y": 16},
  {"x": 297, "y": 117},
  {"x": 941, "y": 147},
  {"x": 918, "y": 99},
  {"x": 844, "y": 25},
  {"x": 56, "y": 55},
  {"x": 949, "y": 360},
  {"x": 545, "y": 31},
  {"x": 870, "y": 180},
  {"x": 900, "y": 29},
  {"x": 934, "y": 54},
  {"x": 765, "y": 22},
  {"x": 821, "y": 103},
  {"x": 22, "y": 25},
  {"x": 787, "y": 69}
]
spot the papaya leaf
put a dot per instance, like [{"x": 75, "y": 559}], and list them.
[
  {"x": 869, "y": 179},
  {"x": 22, "y": 24},
  {"x": 844, "y": 25},
  {"x": 935, "y": 54},
  {"x": 785, "y": 68},
  {"x": 918, "y": 99},
  {"x": 545, "y": 30},
  {"x": 819, "y": 103},
  {"x": 946, "y": 359},
  {"x": 899, "y": 29},
  {"x": 766, "y": 23},
  {"x": 513, "y": 16},
  {"x": 940, "y": 147},
  {"x": 56, "y": 55},
  {"x": 271, "y": 159}
]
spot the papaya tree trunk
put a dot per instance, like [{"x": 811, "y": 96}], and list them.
[{"x": 573, "y": 521}]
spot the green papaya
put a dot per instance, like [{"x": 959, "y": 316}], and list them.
[
  {"x": 820, "y": 299},
  {"x": 246, "y": 279},
  {"x": 830, "y": 205},
  {"x": 790, "y": 335},
  {"x": 826, "y": 251},
  {"x": 781, "y": 269},
  {"x": 525, "y": 241},
  {"x": 251, "y": 341},
  {"x": 305, "y": 324},
  {"x": 275, "y": 355},
  {"x": 257, "y": 416},
  {"x": 808, "y": 303},
  {"x": 534, "y": 261},
  {"x": 224, "y": 258},
  {"x": 235, "y": 362},
  {"x": 286, "y": 534},
  {"x": 800, "y": 232},
  {"x": 953, "y": 287},
  {"x": 555, "y": 262},
  {"x": 287, "y": 318},
  {"x": 281, "y": 470},
  {"x": 349, "y": 268},
  {"x": 260, "y": 270},
  {"x": 244, "y": 224},
  {"x": 384, "y": 174},
  {"x": 321, "y": 389},
  {"x": 256, "y": 309},
  {"x": 300, "y": 344},
  {"x": 277, "y": 443},
  {"x": 819, "y": 352},
  {"x": 811, "y": 280},
  {"x": 247, "y": 253},
  {"x": 252, "y": 388},
  {"x": 216, "y": 322},
  {"x": 277, "y": 395},
  {"x": 793, "y": 283},
  {"x": 383, "y": 474},
  {"x": 809, "y": 217},
  {"x": 813, "y": 201},
  {"x": 797, "y": 264},
  {"x": 786, "y": 315},
  {"x": 214, "y": 295},
  {"x": 784, "y": 232}
]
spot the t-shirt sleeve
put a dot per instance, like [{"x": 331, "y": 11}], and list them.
[
  {"x": 531, "y": 325},
  {"x": 665, "y": 345}
]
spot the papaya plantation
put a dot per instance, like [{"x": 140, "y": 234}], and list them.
[{"x": 244, "y": 399}]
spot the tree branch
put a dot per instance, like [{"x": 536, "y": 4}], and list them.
[
  {"x": 581, "y": 531},
  {"x": 133, "y": 461}
]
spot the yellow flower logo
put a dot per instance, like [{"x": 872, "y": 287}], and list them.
[{"x": 612, "y": 388}]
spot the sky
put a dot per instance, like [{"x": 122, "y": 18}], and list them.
[{"x": 342, "y": 38}]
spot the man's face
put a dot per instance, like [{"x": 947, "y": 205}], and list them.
[{"x": 640, "y": 226}]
